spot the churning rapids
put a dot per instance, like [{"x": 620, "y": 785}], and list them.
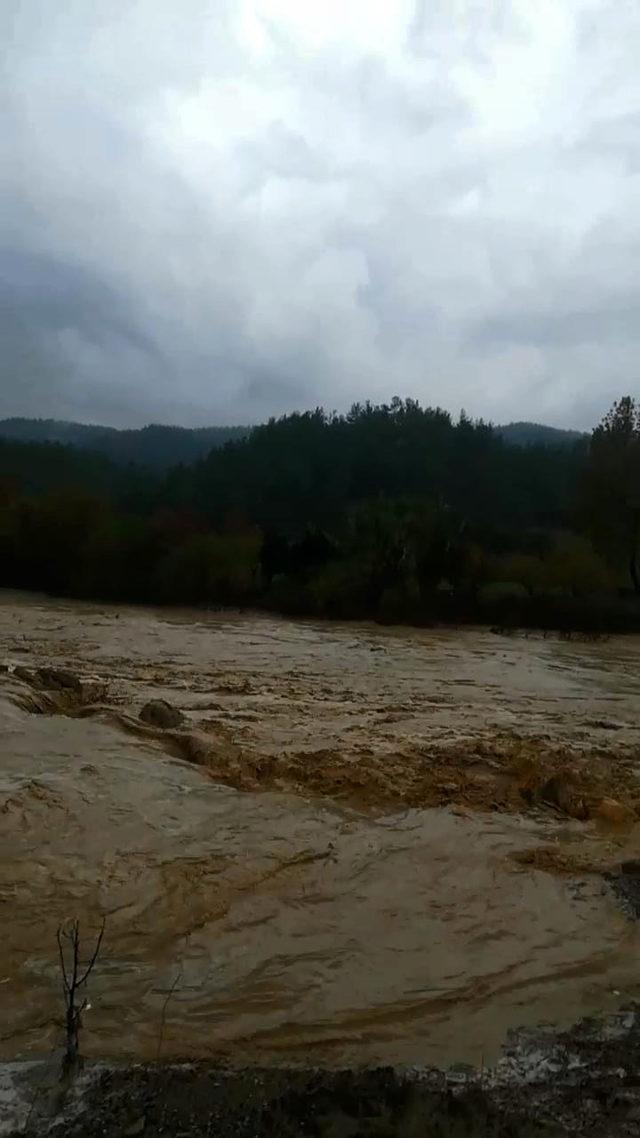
[{"x": 333, "y": 859}]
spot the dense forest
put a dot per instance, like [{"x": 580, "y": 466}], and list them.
[{"x": 392, "y": 512}]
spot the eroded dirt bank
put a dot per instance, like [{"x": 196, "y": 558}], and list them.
[
  {"x": 342, "y": 853},
  {"x": 583, "y": 1081}
]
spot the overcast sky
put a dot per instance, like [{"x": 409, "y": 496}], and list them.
[{"x": 217, "y": 210}]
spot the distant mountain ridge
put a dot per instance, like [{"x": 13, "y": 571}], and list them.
[
  {"x": 159, "y": 447},
  {"x": 155, "y": 446},
  {"x": 528, "y": 434}
]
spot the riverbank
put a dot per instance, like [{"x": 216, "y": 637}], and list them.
[{"x": 582, "y": 1081}]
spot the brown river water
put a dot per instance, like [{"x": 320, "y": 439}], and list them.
[{"x": 319, "y": 865}]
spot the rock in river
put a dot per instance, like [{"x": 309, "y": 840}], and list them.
[{"x": 159, "y": 713}]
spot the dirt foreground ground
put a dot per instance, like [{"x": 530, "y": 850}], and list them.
[{"x": 584, "y": 1081}]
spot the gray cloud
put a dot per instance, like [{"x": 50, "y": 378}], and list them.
[
  {"x": 560, "y": 327},
  {"x": 216, "y": 212}
]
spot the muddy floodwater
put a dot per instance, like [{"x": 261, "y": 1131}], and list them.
[{"x": 330, "y": 860}]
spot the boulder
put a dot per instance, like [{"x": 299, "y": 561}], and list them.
[
  {"x": 56, "y": 679},
  {"x": 610, "y": 810},
  {"x": 563, "y": 792},
  {"x": 625, "y": 881},
  {"x": 630, "y": 868},
  {"x": 72, "y": 690},
  {"x": 159, "y": 713}
]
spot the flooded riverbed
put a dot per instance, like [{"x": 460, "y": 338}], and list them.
[{"x": 330, "y": 877}]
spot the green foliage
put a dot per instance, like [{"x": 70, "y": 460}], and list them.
[
  {"x": 377, "y": 544},
  {"x": 117, "y": 559},
  {"x": 42, "y": 539},
  {"x": 209, "y": 568},
  {"x": 315, "y": 468},
  {"x": 338, "y": 590},
  {"x": 521, "y": 569},
  {"x": 572, "y": 565},
  {"x": 39, "y": 469},
  {"x": 575, "y": 567}
]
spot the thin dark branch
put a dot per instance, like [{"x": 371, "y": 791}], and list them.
[
  {"x": 89, "y": 967},
  {"x": 65, "y": 982},
  {"x": 163, "y": 1017},
  {"x": 75, "y": 939}
]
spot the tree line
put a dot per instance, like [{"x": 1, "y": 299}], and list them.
[{"x": 394, "y": 512}]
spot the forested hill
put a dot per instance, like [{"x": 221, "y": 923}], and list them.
[
  {"x": 536, "y": 434},
  {"x": 161, "y": 447},
  {"x": 314, "y": 468},
  {"x": 157, "y": 447},
  {"x": 304, "y": 469},
  {"x": 393, "y": 511}
]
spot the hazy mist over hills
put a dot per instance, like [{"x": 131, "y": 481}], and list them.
[{"x": 160, "y": 446}]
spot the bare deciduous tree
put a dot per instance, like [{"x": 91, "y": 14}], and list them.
[{"x": 74, "y": 978}]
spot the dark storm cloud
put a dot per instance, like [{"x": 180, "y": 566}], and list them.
[
  {"x": 52, "y": 316},
  {"x": 50, "y": 296},
  {"x": 218, "y": 212}
]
